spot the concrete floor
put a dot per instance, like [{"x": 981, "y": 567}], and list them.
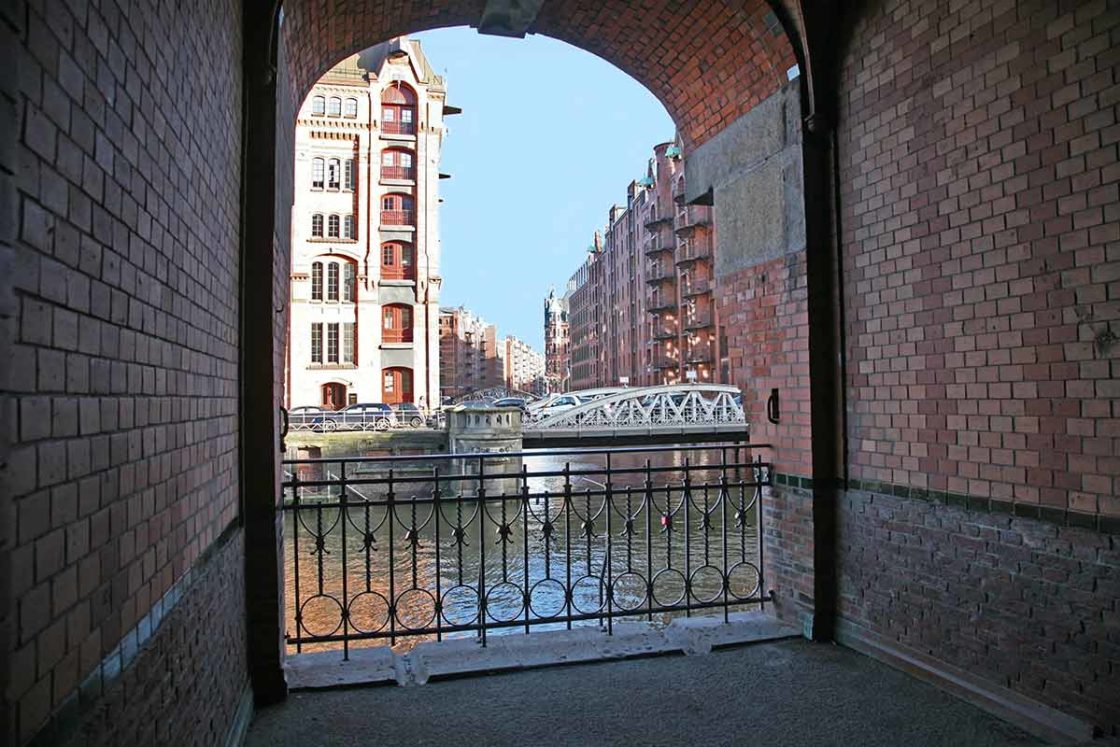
[{"x": 784, "y": 693}]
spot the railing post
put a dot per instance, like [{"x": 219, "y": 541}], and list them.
[
  {"x": 482, "y": 606},
  {"x": 607, "y": 571},
  {"x": 343, "y": 497}
]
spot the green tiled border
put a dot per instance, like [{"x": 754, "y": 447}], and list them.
[{"x": 1049, "y": 514}]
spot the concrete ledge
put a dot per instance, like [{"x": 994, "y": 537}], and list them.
[
  {"x": 1030, "y": 715},
  {"x": 462, "y": 657}
]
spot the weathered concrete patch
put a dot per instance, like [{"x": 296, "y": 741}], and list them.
[{"x": 466, "y": 656}]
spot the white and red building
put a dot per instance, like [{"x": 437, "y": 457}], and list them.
[{"x": 365, "y": 283}]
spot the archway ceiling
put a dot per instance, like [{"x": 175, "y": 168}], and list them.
[{"x": 707, "y": 61}]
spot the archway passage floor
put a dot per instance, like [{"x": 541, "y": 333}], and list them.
[{"x": 785, "y": 693}]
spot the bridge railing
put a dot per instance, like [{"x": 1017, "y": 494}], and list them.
[
  {"x": 672, "y": 406},
  {"x": 391, "y": 549}
]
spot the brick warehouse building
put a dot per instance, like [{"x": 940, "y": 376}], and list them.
[
  {"x": 365, "y": 232},
  {"x": 643, "y": 302},
  {"x": 917, "y": 250}
]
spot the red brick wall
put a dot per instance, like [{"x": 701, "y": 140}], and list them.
[
  {"x": 981, "y": 235},
  {"x": 185, "y": 685},
  {"x": 124, "y": 362},
  {"x": 981, "y": 220},
  {"x": 764, "y": 311},
  {"x": 726, "y": 55},
  {"x": 1028, "y": 605}
]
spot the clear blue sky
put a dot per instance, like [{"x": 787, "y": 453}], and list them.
[{"x": 549, "y": 138}]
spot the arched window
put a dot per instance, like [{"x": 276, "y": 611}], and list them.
[
  {"x": 317, "y": 168},
  {"x": 332, "y": 227},
  {"x": 318, "y": 106},
  {"x": 348, "y": 175},
  {"x": 334, "y": 174},
  {"x": 348, "y": 227},
  {"x": 316, "y": 281},
  {"x": 397, "y": 261},
  {"x": 398, "y": 110},
  {"x": 396, "y": 323},
  {"x": 334, "y": 107},
  {"x": 397, "y": 210},
  {"x": 317, "y": 226},
  {"x": 396, "y": 385},
  {"x": 396, "y": 163},
  {"x": 351, "y": 109},
  {"x": 332, "y": 281}
]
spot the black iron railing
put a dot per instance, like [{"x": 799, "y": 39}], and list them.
[{"x": 390, "y": 548}]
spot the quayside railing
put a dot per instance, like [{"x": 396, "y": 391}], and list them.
[{"x": 398, "y": 549}]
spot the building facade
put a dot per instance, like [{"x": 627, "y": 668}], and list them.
[
  {"x": 640, "y": 306},
  {"x": 469, "y": 353},
  {"x": 556, "y": 341},
  {"x": 365, "y": 277},
  {"x": 523, "y": 366}
]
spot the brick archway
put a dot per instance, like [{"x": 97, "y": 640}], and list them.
[
  {"x": 708, "y": 63},
  {"x": 712, "y": 65}
]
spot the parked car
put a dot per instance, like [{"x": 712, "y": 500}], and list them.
[
  {"x": 519, "y": 402},
  {"x": 555, "y": 406},
  {"x": 363, "y": 416},
  {"x": 301, "y": 418},
  {"x": 408, "y": 415}
]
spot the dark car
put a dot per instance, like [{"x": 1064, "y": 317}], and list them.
[
  {"x": 519, "y": 402},
  {"x": 408, "y": 415},
  {"x": 363, "y": 416},
  {"x": 301, "y": 418}
]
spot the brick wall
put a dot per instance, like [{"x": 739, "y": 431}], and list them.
[
  {"x": 1029, "y": 605},
  {"x": 981, "y": 252},
  {"x": 123, "y": 469},
  {"x": 764, "y": 312},
  {"x": 727, "y": 55},
  {"x": 184, "y": 685},
  {"x": 981, "y": 219}
]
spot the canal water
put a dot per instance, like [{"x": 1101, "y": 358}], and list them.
[{"x": 516, "y": 550}]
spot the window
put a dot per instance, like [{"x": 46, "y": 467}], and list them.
[
  {"x": 317, "y": 281},
  {"x": 397, "y": 323},
  {"x": 317, "y": 168},
  {"x": 396, "y": 385},
  {"x": 332, "y": 226},
  {"x": 318, "y": 106},
  {"x": 334, "y": 174},
  {"x": 332, "y": 281},
  {"x": 397, "y": 164},
  {"x": 396, "y": 261},
  {"x": 398, "y": 110},
  {"x": 351, "y": 107},
  {"x": 317, "y": 343},
  {"x": 348, "y": 282},
  {"x": 317, "y": 225},
  {"x": 334, "y": 107},
  {"x": 348, "y": 342},
  {"x": 396, "y": 210},
  {"x": 348, "y": 227},
  {"x": 348, "y": 176},
  {"x": 332, "y": 343}
]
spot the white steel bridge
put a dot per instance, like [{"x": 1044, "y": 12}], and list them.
[{"x": 659, "y": 414}]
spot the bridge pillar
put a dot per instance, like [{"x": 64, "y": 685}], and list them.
[{"x": 489, "y": 432}]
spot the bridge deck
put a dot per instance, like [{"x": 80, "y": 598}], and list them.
[{"x": 630, "y": 436}]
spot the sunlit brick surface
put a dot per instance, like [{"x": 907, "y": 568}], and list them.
[
  {"x": 708, "y": 62},
  {"x": 981, "y": 243}
]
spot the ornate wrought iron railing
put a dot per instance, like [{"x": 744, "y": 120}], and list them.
[{"x": 390, "y": 549}]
